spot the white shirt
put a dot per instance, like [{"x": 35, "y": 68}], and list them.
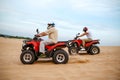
[
  {"x": 52, "y": 34},
  {"x": 89, "y": 35}
]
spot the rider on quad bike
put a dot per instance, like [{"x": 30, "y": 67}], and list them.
[
  {"x": 35, "y": 48},
  {"x": 89, "y": 45},
  {"x": 52, "y": 35},
  {"x": 88, "y": 34}
]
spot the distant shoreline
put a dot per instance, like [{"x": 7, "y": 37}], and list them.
[
  {"x": 30, "y": 38},
  {"x": 16, "y": 37}
]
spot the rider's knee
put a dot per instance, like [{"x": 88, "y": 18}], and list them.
[{"x": 42, "y": 42}]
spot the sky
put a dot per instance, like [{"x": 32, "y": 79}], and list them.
[{"x": 23, "y": 17}]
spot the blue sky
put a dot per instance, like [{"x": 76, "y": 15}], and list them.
[{"x": 102, "y": 17}]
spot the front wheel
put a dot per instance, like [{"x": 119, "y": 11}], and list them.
[
  {"x": 27, "y": 57},
  {"x": 94, "y": 50},
  {"x": 72, "y": 50},
  {"x": 60, "y": 57}
]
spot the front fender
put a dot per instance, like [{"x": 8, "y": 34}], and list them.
[
  {"x": 27, "y": 47},
  {"x": 78, "y": 42},
  {"x": 35, "y": 45}
]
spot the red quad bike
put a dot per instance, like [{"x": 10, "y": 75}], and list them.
[
  {"x": 74, "y": 46},
  {"x": 30, "y": 51}
]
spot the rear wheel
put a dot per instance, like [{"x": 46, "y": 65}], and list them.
[
  {"x": 27, "y": 57},
  {"x": 60, "y": 57},
  {"x": 94, "y": 50}
]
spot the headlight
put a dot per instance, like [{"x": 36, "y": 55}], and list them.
[
  {"x": 69, "y": 44},
  {"x": 24, "y": 43}
]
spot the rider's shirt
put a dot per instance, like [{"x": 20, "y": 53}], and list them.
[
  {"x": 89, "y": 35},
  {"x": 52, "y": 34}
]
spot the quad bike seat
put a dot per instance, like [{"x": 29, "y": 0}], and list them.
[
  {"x": 62, "y": 41},
  {"x": 51, "y": 44},
  {"x": 93, "y": 41},
  {"x": 57, "y": 42}
]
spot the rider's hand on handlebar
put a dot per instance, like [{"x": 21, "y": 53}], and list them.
[
  {"x": 37, "y": 35},
  {"x": 77, "y": 36}
]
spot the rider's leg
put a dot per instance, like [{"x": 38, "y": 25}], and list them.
[
  {"x": 85, "y": 40},
  {"x": 42, "y": 45},
  {"x": 83, "y": 43}
]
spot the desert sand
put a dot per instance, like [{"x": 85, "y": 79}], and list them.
[{"x": 103, "y": 66}]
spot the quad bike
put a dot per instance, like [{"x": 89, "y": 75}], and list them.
[
  {"x": 30, "y": 51},
  {"x": 74, "y": 46}
]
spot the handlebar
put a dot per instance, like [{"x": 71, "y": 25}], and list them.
[
  {"x": 37, "y": 31},
  {"x": 76, "y": 37},
  {"x": 37, "y": 38}
]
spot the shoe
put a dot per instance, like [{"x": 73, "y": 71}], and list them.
[
  {"x": 42, "y": 55},
  {"x": 82, "y": 49}
]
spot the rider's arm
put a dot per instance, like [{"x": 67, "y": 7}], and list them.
[
  {"x": 42, "y": 34},
  {"x": 83, "y": 34},
  {"x": 45, "y": 33}
]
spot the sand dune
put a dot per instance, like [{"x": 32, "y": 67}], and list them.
[{"x": 104, "y": 66}]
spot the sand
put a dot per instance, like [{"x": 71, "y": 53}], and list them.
[{"x": 103, "y": 66}]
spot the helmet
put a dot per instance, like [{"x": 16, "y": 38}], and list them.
[
  {"x": 85, "y": 29},
  {"x": 53, "y": 24},
  {"x": 50, "y": 25}
]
